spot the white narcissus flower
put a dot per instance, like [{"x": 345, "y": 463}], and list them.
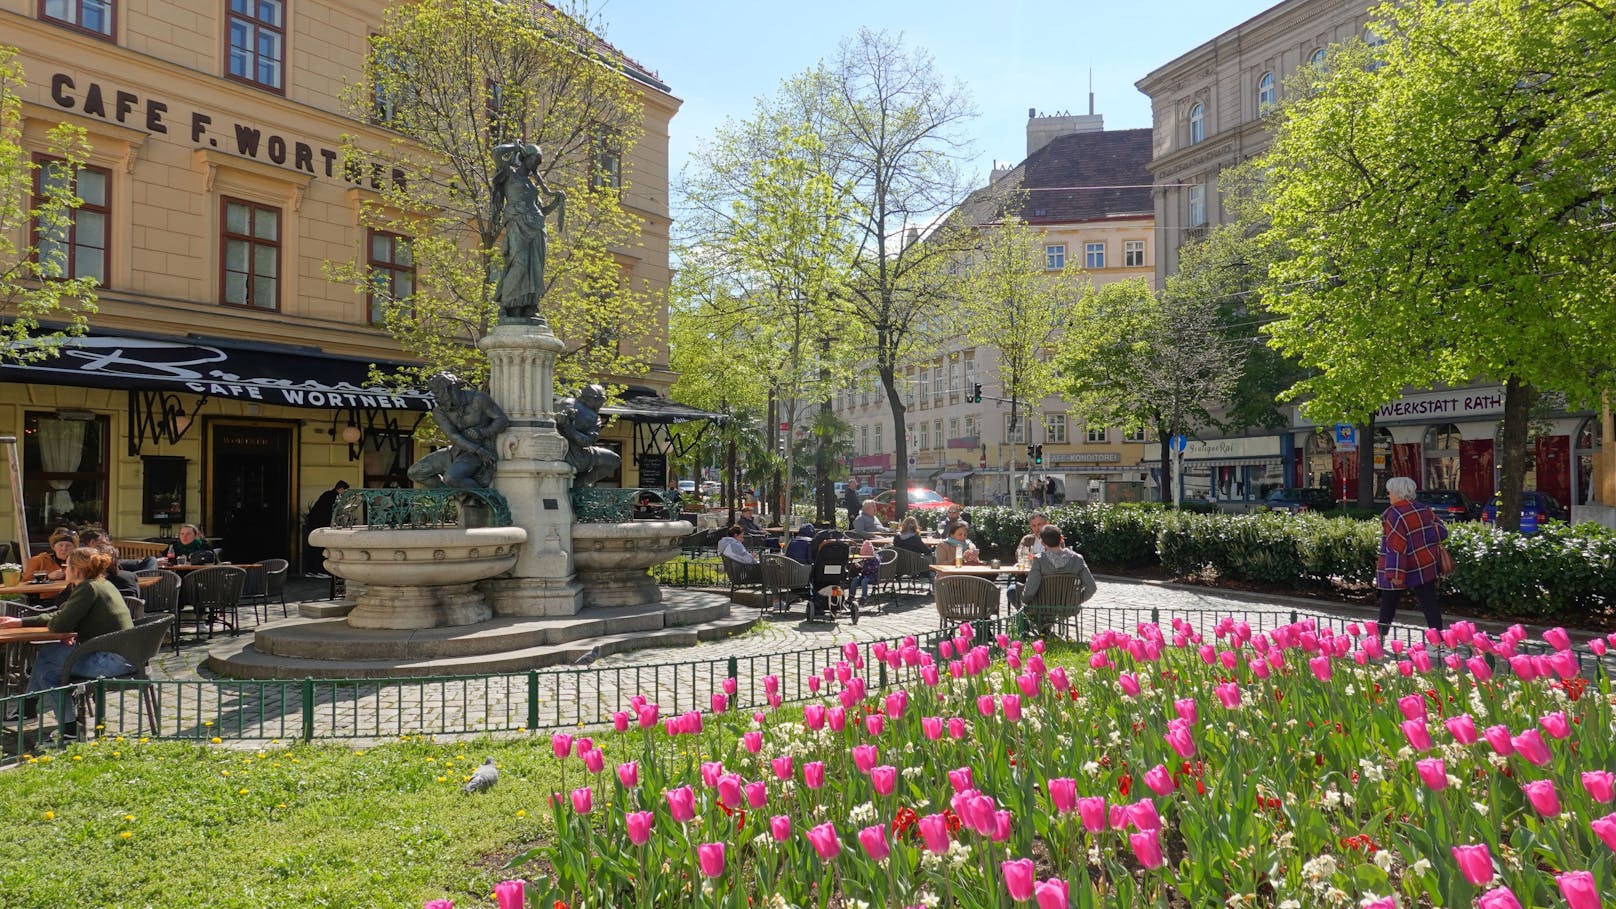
[
  {"x": 1421, "y": 867},
  {"x": 1383, "y": 861}
]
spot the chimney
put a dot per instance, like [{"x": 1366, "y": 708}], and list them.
[
  {"x": 911, "y": 237},
  {"x": 1043, "y": 130}
]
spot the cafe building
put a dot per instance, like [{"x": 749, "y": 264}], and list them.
[{"x": 225, "y": 381}]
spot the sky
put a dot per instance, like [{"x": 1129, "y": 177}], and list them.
[{"x": 719, "y": 56}]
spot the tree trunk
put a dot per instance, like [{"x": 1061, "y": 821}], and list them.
[
  {"x": 1366, "y": 464},
  {"x": 732, "y": 479},
  {"x": 900, "y": 442},
  {"x": 1164, "y": 445},
  {"x": 825, "y": 499},
  {"x": 1518, "y": 399}
]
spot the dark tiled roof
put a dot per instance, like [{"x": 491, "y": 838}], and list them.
[{"x": 1079, "y": 177}]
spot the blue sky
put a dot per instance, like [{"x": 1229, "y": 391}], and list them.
[{"x": 720, "y": 55}]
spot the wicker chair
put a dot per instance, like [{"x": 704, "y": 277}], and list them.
[
  {"x": 886, "y": 577},
  {"x": 136, "y": 607},
  {"x": 163, "y": 596},
  {"x": 965, "y": 598},
  {"x": 784, "y": 582},
  {"x": 138, "y": 645},
  {"x": 740, "y": 574},
  {"x": 1057, "y": 603},
  {"x": 213, "y": 596},
  {"x": 912, "y": 567},
  {"x": 275, "y": 571}
]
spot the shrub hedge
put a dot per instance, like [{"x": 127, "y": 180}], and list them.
[{"x": 1562, "y": 573}]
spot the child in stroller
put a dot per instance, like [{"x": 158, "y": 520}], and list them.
[{"x": 868, "y": 568}]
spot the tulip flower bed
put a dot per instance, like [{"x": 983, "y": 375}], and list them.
[{"x": 1297, "y": 768}]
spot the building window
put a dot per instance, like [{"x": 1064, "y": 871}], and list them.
[
  {"x": 953, "y": 427},
  {"x": 937, "y": 384},
  {"x": 392, "y": 273},
  {"x": 864, "y": 440},
  {"x": 878, "y": 449},
  {"x": 970, "y": 427},
  {"x": 924, "y": 395},
  {"x": 258, "y": 42},
  {"x": 1093, "y": 255},
  {"x": 1055, "y": 428},
  {"x": 1133, "y": 253},
  {"x": 608, "y": 153},
  {"x": 1267, "y": 95},
  {"x": 79, "y": 246},
  {"x": 937, "y": 434},
  {"x": 1015, "y": 434},
  {"x": 65, "y": 464},
  {"x": 1098, "y": 435},
  {"x": 1136, "y": 434},
  {"x": 1055, "y": 256},
  {"x": 1317, "y": 57},
  {"x": 252, "y": 255},
  {"x": 1197, "y": 123},
  {"x": 93, "y": 16},
  {"x": 1198, "y": 205}
]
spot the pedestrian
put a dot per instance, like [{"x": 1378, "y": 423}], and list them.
[
  {"x": 1410, "y": 554},
  {"x": 1049, "y": 491},
  {"x": 320, "y": 514},
  {"x": 850, "y": 501}
]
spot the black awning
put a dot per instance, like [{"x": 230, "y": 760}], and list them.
[
  {"x": 241, "y": 370},
  {"x": 642, "y": 405}
]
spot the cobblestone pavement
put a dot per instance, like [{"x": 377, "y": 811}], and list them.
[{"x": 678, "y": 679}]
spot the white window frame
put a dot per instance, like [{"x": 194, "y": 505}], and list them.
[
  {"x": 1139, "y": 434},
  {"x": 1094, "y": 254},
  {"x": 1133, "y": 254},
  {"x": 1019, "y": 435},
  {"x": 1267, "y": 92},
  {"x": 1055, "y": 257},
  {"x": 1198, "y": 123},
  {"x": 1055, "y": 428},
  {"x": 1098, "y": 435},
  {"x": 1197, "y": 200}
]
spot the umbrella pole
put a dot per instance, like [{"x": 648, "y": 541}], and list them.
[{"x": 19, "y": 516}]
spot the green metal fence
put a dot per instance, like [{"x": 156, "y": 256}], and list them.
[{"x": 364, "y": 709}]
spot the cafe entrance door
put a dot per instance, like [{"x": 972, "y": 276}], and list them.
[{"x": 250, "y": 493}]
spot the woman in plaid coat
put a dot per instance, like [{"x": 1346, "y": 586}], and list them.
[{"x": 1410, "y": 548}]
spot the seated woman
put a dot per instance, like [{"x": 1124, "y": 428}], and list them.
[
  {"x": 95, "y": 608},
  {"x": 801, "y": 547},
  {"x": 191, "y": 542},
  {"x": 956, "y": 544},
  {"x": 53, "y": 562},
  {"x": 733, "y": 547},
  {"x": 909, "y": 537}
]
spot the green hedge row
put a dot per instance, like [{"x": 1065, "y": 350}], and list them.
[{"x": 1562, "y": 573}]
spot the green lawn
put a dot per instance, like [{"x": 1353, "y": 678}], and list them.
[{"x": 126, "y": 824}]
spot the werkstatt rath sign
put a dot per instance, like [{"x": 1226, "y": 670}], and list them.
[{"x": 1443, "y": 406}]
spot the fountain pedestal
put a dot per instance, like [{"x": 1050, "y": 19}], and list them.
[{"x": 420, "y": 577}]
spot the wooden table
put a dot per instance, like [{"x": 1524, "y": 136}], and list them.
[
  {"x": 14, "y": 663},
  {"x": 981, "y": 571},
  {"x": 186, "y": 569},
  {"x": 49, "y": 589},
  {"x": 36, "y": 636}
]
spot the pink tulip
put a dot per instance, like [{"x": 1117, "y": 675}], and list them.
[
  {"x": 1129, "y": 683},
  {"x": 1146, "y": 848},
  {"x": 874, "y": 841},
  {"x": 1010, "y": 704},
  {"x": 1598, "y": 646},
  {"x": 1063, "y": 793},
  {"x": 594, "y": 761},
  {"x": 639, "y": 824},
  {"x": 1412, "y": 706},
  {"x": 513, "y": 894},
  {"x": 438, "y": 904},
  {"x": 1605, "y": 829},
  {"x": 1321, "y": 668},
  {"x": 1178, "y": 737},
  {"x": 1051, "y": 894},
  {"x": 1475, "y": 863},
  {"x": 1557, "y": 638},
  {"x": 1186, "y": 710},
  {"x": 813, "y": 684},
  {"x": 757, "y": 794},
  {"x": 1502, "y": 898},
  {"x": 1522, "y": 666},
  {"x": 961, "y": 780},
  {"x": 1228, "y": 658},
  {"x": 1434, "y": 772},
  {"x": 1578, "y": 889},
  {"x": 956, "y": 727},
  {"x": 1029, "y": 684},
  {"x": 771, "y": 684},
  {"x": 720, "y": 702},
  {"x": 1160, "y": 780},
  {"x": 710, "y": 856},
  {"x": 931, "y": 727},
  {"x": 1419, "y": 737},
  {"x": 1500, "y": 739},
  {"x": 934, "y": 833},
  {"x": 1002, "y": 821},
  {"x": 1385, "y": 902},
  {"x": 813, "y": 774},
  {"x": 883, "y": 778},
  {"x": 1530, "y": 745},
  {"x": 825, "y": 841},
  {"x": 620, "y": 721},
  {"x": 1018, "y": 878},
  {"x": 1143, "y": 815},
  {"x": 836, "y": 717},
  {"x": 1463, "y": 728},
  {"x": 865, "y": 756},
  {"x": 780, "y": 827},
  {"x": 710, "y": 772},
  {"x": 561, "y": 745},
  {"x": 1421, "y": 658},
  {"x": 628, "y": 773},
  {"x": 682, "y": 803},
  {"x": 583, "y": 800},
  {"x": 1564, "y": 663},
  {"x": 583, "y": 745},
  {"x": 1092, "y": 810},
  {"x": 1544, "y": 797},
  {"x": 875, "y": 723},
  {"x": 1117, "y": 817},
  {"x": 782, "y": 767},
  {"x": 896, "y": 703},
  {"x": 985, "y": 704},
  {"x": 813, "y": 716},
  {"x": 1228, "y": 694},
  {"x": 1556, "y": 724},
  {"x": 1058, "y": 678},
  {"x": 1601, "y": 784},
  {"x": 752, "y": 741},
  {"x": 730, "y": 791}
]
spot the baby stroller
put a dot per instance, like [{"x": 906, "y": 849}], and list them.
[{"x": 831, "y": 578}]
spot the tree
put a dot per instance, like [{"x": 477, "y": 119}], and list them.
[
  {"x": 1134, "y": 356},
  {"x": 452, "y": 79},
  {"x": 37, "y": 205},
  {"x": 1444, "y": 201}
]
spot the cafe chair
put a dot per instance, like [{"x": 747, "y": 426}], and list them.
[
  {"x": 912, "y": 568},
  {"x": 163, "y": 597},
  {"x": 139, "y": 646},
  {"x": 785, "y": 581},
  {"x": 213, "y": 596},
  {"x": 965, "y": 598},
  {"x": 136, "y": 607},
  {"x": 886, "y": 576},
  {"x": 1057, "y": 604},
  {"x": 740, "y": 574},
  {"x": 275, "y": 571},
  {"x": 255, "y": 590}
]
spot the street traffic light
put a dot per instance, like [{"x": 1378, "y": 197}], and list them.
[
  {"x": 1030, "y": 450},
  {"x": 976, "y": 393},
  {"x": 1037, "y": 455}
]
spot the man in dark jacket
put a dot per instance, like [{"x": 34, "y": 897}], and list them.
[
  {"x": 319, "y": 516},
  {"x": 850, "y": 501}
]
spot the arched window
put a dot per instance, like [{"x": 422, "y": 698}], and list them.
[
  {"x": 1266, "y": 93},
  {"x": 1197, "y": 123},
  {"x": 1317, "y": 57}
]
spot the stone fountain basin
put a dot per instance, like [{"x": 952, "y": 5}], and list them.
[
  {"x": 425, "y": 557},
  {"x": 613, "y": 561}
]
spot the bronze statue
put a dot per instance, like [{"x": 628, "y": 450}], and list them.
[
  {"x": 580, "y": 422},
  {"x": 518, "y": 194},
  {"x": 472, "y": 421}
]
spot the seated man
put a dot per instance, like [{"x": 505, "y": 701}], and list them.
[
  {"x": 748, "y": 521},
  {"x": 954, "y": 515},
  {"x": 867, "y": 523},
  {"x": 1030, "y": 545},
  {"x": 1055, "y": 560},
  {"x": 801, "y": 547},
  {"x": 733, "y": 548},
  {"x": 120, "y": 574}
]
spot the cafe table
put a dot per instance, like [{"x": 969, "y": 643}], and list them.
[
  {"x": 981, "y": 571},
  {"x": 48, "y": 590},
  {"x": 187, "y": 569},
  {"x": 14, "y": 662}
]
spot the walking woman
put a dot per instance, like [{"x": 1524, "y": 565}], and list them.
[{"x": 1410, "y": 553}]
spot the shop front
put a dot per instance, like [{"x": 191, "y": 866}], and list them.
[{"x": 1234, "y": 473}]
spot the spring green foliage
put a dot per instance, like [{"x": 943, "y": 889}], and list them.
[
  {"x": 32, "y": 286},
  {"x": 1443, "y": 200},
  {"x": 451, "y": 79}
]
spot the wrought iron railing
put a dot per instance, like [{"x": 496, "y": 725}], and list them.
[
  {"x": 395, "y": 509},
  {"x": 603, "y": 505}
]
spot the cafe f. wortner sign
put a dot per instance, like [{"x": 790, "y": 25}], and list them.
[{"x": 115, "y": 105}]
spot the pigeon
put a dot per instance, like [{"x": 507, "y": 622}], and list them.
[
  {"x": 485, "y": 778},
  {"x": 587, "y": 658}
]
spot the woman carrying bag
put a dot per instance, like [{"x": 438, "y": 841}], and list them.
[{"x": 1411, "y": 554}]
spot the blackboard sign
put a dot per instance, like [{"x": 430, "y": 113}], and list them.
[
  {"x": 163, "y": 490},
  {"x": 653, "y": 471}
]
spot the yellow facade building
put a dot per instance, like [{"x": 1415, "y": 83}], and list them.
[{"x": 224, "y": 381}]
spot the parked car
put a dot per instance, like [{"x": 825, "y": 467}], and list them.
[
  {"x": 1297, "y": 500},
  {"x": 687, "y": 487},
  {"x": 710, "y": 487},
  {"x": 920, "y": 499},
  {"x": 866, "y": 492},
  {"x": 1450, "y": 504},
  {"x": 1536, "y": 507}
]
